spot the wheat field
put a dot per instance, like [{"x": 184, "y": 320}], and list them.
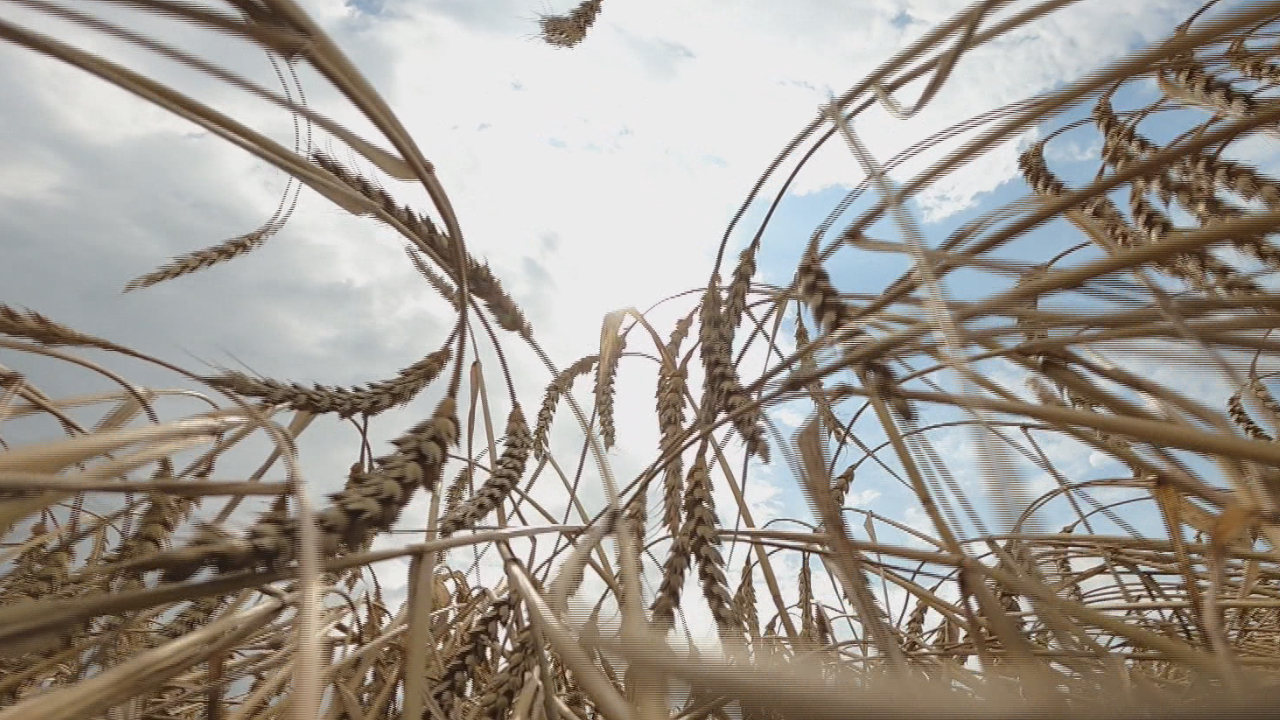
[{"x": 135, "y": 584}]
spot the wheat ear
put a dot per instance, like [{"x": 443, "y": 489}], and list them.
[
  {"x": 371, "y": 503},
  {"x": 501, "y": 482},
  {"x": 569, "y": 30}
]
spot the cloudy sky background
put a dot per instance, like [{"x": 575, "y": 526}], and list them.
[{"x": 591, "y": 179}]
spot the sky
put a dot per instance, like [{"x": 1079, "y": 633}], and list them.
[{"x": 591, "y": 179}]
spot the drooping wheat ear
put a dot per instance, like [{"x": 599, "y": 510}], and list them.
[
  {"x": 1045, "y": 183},
  {"x": 1036, "y": 172},
  {"x": 420, "y": 453},
  {"x": 704, "y": 543},
  {"x": 612, "y": 675},
  {"x": 1042, "y": 392},
  {"x": 420, "y": 225},
  {"x": 501, "y": 691},
  {"x": 671, "y": 389},
  {"x": 1247, "y": 182},
  {"x": 373, "y": 399},
  {"x": 208, "y": 257},
  {"x": 156, "y": 526},
  {"x": 1121, "y": 147},
  {"x": 1122, "y": 144},
  {"x": 1198, "y": 198},
  {"x": 1068, "y": 380},
  {"x": 1240, "y": 416},
  {"x": 1201, "y": 269},
  {"x": 1098, "y": 208},
  {"x": 1067, "y": 576},
  {"x": 804, "y": 357},
  {"x": 1252, "y": 65},
  {"x": 1191, "y": 84},
  {"x": 557, "y": 387},
  {"x": 840, "y": 487},
  {"x": 672, "y": 385},
  {"x": 808, "y": 365},
  {"x": 501, "y": 482},
  {"x": 51, "y": 574},
  {"x": 769, "y": 640},
  {"x": 474, "y": 652},
  {"x": 671, "y": 587},
  {"x": 566, "y": 686},
  {"x": 736, "y": 303},
  {"x": 716, "y": 355},
  {"x": 833, "y": 315},
  {"x": 458, "y": 490},
  {"x": 482, "y": 283},
  {"x": 746, "y": 417},
  {"x": 370, "y": 504},
  {"x": 1196, "y": 193},
  {"x": 636, "y": 516},
  {"x": 816, "y": 291},
  {"x": 881, "y": 378},
  {"x": 574, "y": 697},
  {"x": 946, "y": 637},
  {"x": 1264, "y": 398},
  {"x": 1010, "y": 604},
  {"x": 605, "y": 386},
  {"x": 722, "y": 389},
  {"x": 569, "y": 30},
  {"x": 915, "y": 627},
  {"x": 805, "y": 601},
  {"x": 40, "y": 569},
  {"x": 1008, "y": 598},
  {"x": 744, "y": 603},
  {"x": 441, "y": 285},
  {"x": 19, "y": 582},
  {"x": 678, "y": 335},
  {"x": 195, "y": 614},
  {"x": 41, "y": 573},
  {"x": 480, "y": 279},
  {"x": 589, "y": 636},
  {"x": 822, "y": 632},
  {"x": 38, "y": 328},
  {"x": 202, "y": 550}
]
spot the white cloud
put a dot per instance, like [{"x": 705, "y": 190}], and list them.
[
  {"x": 862, "y": 498},
  {"x": 789, "y": 418},
  {"x": 28, "y": 180},
  {"x": 1097, "y": 459}
]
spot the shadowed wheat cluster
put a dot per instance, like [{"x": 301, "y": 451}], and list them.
[{"x": 126, "y": 592}]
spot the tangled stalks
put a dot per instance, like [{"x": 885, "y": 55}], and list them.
[{"x": 1019, "y": 583}]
